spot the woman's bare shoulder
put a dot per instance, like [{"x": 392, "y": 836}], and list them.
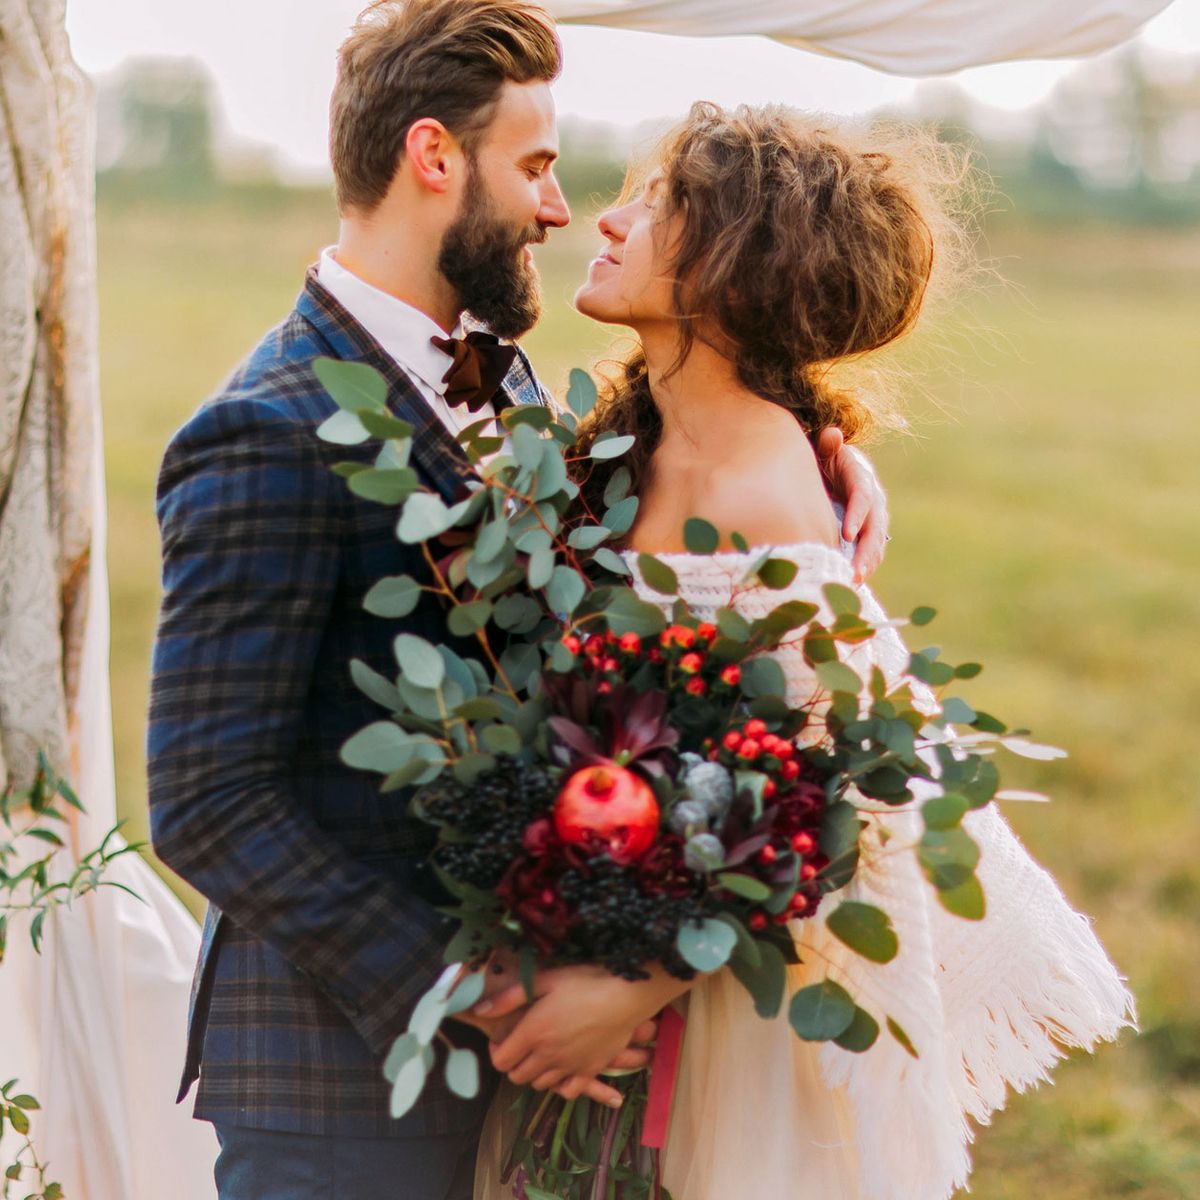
[{"x": 773, "y": 492}]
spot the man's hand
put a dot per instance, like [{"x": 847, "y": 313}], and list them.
[
  {"x": 583, "y": 1020},
  {"x": 852, "y": 480}
]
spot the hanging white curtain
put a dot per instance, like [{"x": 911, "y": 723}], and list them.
[
  {"x": 907, "y": 37},
  {"x": 94, "y": 1025}
]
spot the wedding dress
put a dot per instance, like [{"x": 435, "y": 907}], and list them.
[{"x": 987, "y": 1005}]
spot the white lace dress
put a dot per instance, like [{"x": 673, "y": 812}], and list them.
[{"x": 988, "y": 1005}]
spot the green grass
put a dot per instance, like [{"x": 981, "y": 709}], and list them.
[{"x": 1047, "y": 506}]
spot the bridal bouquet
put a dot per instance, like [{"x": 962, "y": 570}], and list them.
[{"x": 612, "y": 785}]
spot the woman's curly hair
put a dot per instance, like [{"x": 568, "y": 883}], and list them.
[{"x": 805, "y": 242}]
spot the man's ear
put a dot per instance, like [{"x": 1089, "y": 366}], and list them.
[{"x": 433, "y": 153}]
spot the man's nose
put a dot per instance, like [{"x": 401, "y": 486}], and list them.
[{"x": 553, "y": 211}]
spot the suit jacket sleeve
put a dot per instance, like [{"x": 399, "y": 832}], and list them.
[{"x": 251, "y": 519}]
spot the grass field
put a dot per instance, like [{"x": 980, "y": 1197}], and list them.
[{"x": 1047, "y": 506}]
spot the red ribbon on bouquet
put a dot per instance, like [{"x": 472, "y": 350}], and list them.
[{"x": 663, "y": 1073}]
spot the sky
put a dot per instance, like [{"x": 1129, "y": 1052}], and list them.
[{"x": 273, "y": 62}]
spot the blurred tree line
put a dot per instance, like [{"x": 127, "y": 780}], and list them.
[{"x": 1117, "y": 140}]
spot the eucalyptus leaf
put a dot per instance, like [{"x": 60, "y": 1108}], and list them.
[
  {"x": 707, "y": 946},
  {"x": 657, "y": 575},
  {"x": 468, "y": 991},
  {"x": 835, "y": 676},
  {"x": 629, "y": 613},
  {"x": 565, "y": 590},
  {"x": 419, "y": 660},
  {"x": 843, "y": 600},
  {"x": 949, "y": 856},
  {"x": 867, "y": 930},
  {"x": 379, "y": 688},
  {"x": 403, "y": 1048},
  {"x": 381, "y": 746},
  {"x": 383, "y": 425},
  {"x": 393, "y": 596},
  {"x": 384, "y": 487},
  {"x": 861, "y": 1034},
  {"x": 957, "y": 711},
  {"x": 581, "y": 392},
  {"x": 922, "y": 615},
  {"x": 821, "y": 1011},
  {"x": 617, "y": 487},
  {"x": 965, "y": 899},
  {"x": 777, "y": 573},
  {"x": 700, "y": 536},
  {"x": 501, "y": 739},
  {"x": 604, "y": 448},
  {"x": 945, "y": 811},
  {"x": 462, "y": 1073},
  {"x": 465, "y": 620},
  {"x": 540, "y": 568},
  {"x": 766, "y": 983},
  {"x": 354, "y": 386},
  {"x": 491, "y": 540},
  {"x": 611, "y": 561},
  {"x": 588, "y": 537},
  {"x": 897, "y": 1031},
  {"x": 620, "y": 517},
  {"x": 342, "y": 429},
  {"x": 745, "y": 886},
  {"x": 424, "y": 517},
  {"x": 409, "y": 1083},
  {"x": 763, "y": 677}
]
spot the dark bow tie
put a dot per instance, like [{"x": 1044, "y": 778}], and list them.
[{"x": 479, "y": 367}]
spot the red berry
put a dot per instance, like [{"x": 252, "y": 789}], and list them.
[
  {"x": 695, "y": 686},
  {"x": 803, "y": 843},
  {"x": 707, "y": 632},
  {"x": 769, "y": 789},
  {"x": 790, "y": 769},
  {"x": 732, "y": 740},
  {"x": 732, "y": 675},
  {"x": 603, "y": 688},
  {"x": 799, "y": 902},
  {"x": 610, "y": 638},
  {"x": 756, "y": 728},
  {"x": 630, "y": 643},
  {"x": 609, "y": 664},
  {"x": 767, "y": 855},
  {"x": 782, "y": 918},
  {"x": 691, "y": 663},
  {"x": 654, "y": 654},
  {"x": 594, "y": 646},
  {"x": 572, "y": 643},
  {"x": 758, "y": 921},
  {"x": 784, "y": 748},
  {"x": 807, "y": 872},
  {"x": 749, "y": 749},
  {"x": 547, "y": 896}
]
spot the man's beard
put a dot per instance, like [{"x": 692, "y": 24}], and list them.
[{"x": 483, "y": 259}]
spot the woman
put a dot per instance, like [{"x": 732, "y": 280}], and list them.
[{"x": 763, "y": 251}]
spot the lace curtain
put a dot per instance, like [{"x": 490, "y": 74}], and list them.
[{"x": 94, "y": 1026}]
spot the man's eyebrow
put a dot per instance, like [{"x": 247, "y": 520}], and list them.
[{"x": 545, "y": 154}]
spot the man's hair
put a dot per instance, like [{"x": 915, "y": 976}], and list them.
[{"x": 409, "y": 59}]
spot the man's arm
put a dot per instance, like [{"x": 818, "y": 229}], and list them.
[
  {"x": 853, "y": 482},
  {"x": 251, "y": 519}
]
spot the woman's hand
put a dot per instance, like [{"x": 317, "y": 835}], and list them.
[
  {"x": 583, "y": 1020},
  {"x": 853, "y": 481},
  {"x": 502, "y": 1007}
]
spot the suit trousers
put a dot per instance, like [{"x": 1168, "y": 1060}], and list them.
[{"x": 266, "y": 1164}]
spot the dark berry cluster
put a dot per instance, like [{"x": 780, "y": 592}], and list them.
[{"x": 489, "y": 817}]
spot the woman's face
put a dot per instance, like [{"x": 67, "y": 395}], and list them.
[{"x": 630, "y": 282}]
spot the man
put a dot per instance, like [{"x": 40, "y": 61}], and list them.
[{"x": 322, "y": 933}]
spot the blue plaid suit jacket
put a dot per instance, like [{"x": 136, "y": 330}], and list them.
[{"x": 321, "y": 932}]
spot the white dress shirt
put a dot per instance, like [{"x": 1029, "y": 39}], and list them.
[{"x": 404, "y": 332}]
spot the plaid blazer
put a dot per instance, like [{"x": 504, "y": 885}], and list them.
[{"x": 321, "y": 931}]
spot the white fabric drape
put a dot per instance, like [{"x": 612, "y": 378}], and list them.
[
  {"x": 94, "y": 1025},
  {"x": 906, "y": 37}
]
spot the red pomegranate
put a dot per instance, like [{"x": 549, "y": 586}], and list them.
[{"x": 609, "y": 803}]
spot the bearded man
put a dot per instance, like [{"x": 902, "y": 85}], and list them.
[{"x": 322, "y": 930}]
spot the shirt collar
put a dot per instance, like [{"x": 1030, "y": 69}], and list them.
[{"x": 402, "y": 330}]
